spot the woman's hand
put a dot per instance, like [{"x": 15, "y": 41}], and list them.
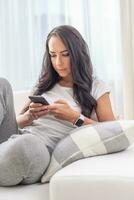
[
  {"x": 34, "y": 111},
  {"x": 37, "y": 110},
  {"x": 61, "y": 110}
]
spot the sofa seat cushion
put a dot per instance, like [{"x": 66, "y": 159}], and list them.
[
  {"x": 25, "y": 192},
  {"x": 90, "y": 140},
  {"x": 104, "y": 177}
]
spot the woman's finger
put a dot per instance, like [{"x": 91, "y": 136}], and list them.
[
  {"x": 41, "y": 113},
  {"x": 36, "y": 115},
  {"x": 37, "y": 109},
  {"x": 34, "y": 105}
]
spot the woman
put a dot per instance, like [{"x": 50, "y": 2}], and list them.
[{"x": 75, "y": 99}]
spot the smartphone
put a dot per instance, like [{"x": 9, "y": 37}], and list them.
[{"x": 38, "y": 99}]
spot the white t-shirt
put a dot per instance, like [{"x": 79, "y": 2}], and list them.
[{"x": 50, "y": 129}]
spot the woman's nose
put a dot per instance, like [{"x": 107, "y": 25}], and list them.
[{"x": 58, "y": 60}]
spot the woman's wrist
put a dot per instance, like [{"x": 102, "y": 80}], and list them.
[
  {"x": 88, "y": 121},
  {"x": 74, "y": 116},
  {"x": 24, "y": 120}
]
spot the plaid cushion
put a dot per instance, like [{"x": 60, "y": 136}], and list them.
[{"x": 90, "y": 140}]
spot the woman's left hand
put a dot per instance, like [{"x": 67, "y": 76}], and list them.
[{"x": 61, "y": 110}]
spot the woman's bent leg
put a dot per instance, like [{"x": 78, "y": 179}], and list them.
[
  {"x": 23, "y": 160},
  {"x": 8, "y": 125}
]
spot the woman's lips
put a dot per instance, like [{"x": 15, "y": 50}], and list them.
[{"x": 61, "y": 70}]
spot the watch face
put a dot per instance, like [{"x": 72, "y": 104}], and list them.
[{"x": 79, "y": 122}]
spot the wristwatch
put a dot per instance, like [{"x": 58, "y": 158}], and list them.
[{"x": 80, "y": 121}]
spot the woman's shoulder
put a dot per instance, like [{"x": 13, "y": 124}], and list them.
[{"x": 99, "y": 87}]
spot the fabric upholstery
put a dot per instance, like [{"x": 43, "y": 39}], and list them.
[{"x": 91, "y": 140}]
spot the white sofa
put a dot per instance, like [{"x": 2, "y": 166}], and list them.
[{"x": 108, "y": 177}]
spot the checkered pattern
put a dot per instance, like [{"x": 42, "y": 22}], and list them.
[{"x": 91, "y": 140}]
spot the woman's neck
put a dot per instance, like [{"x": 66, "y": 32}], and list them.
[{"x": 66, "y": 82}]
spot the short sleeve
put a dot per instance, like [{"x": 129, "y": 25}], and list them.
[{"x": 99, "y": 88}]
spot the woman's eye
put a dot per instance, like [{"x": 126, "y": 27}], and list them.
[
  {"x": 52, "y": 55},
  {"x": 65, "y": 54}
]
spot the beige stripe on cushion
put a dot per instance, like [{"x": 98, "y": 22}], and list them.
[{"x": 88, "y": 141}]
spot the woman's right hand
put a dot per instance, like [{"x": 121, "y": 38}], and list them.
[
  {"x": 34, "y": 111},
  {"x": 37, "y": 110}
]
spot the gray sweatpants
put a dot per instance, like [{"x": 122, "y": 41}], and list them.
[{"x": 23, "y": 158}]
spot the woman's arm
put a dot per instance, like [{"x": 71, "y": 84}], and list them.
[
  {"x": 103, "y": 110},
  {"x": 60, "y": 109},
  {"x": 24, "y": 117},
  {"x": 30, "y": 112}
]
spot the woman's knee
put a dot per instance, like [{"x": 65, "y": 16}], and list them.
[{"x": 4, "y": 83}]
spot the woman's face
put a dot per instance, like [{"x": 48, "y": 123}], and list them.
[{"x": 59, "y": 57}]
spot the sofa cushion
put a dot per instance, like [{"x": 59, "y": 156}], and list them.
[
  {"x": 90, "y": 140},
  {"x": 102, "y": 177},
  {"x": 25, "y": 192}
]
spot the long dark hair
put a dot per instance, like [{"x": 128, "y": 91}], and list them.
[{"x": 81, "y": 68}]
